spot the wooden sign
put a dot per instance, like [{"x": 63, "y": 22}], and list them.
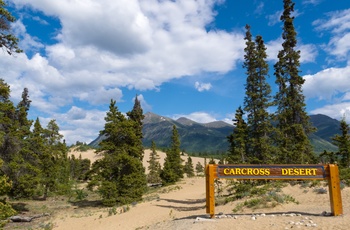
[
  {"x": 282, "y": 172},
  {"x": 328, "y": 172}
]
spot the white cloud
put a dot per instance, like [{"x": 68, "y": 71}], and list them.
[
  {"x": 200, "y": 117},
  {"x": 327, "y": 84},
  {"x": 202, "y": 86},
  {"x": 109, "y": 45},
  {"x": 274, "y": 18},
  {"x": 308, "y": 52},
  {"x": 145, "y": 106},
  {"x": 78, "y": 124},
  {"x": 26, "y": 42},
  {"x": 336, "y": 111},
  {"x": 312, "y": 2},
  {"x": 338, "y": 23}
]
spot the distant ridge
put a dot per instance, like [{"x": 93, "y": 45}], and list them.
[{"x": 212, "y": 137}]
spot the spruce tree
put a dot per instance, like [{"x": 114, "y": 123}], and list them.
[
  {"x": 257, "y": 100},
  {"x": 119, "y": 175},
  {"x": 154, "y": 167},
  {"x": 188, "y": 169},
  {"x": 173, "y": 169},
  {"x": 199, "y": 168},
  {"x": 19, "y": 161},
  {"x": 343, "y": 143},
  {"x": 292, "y": 120},
  {"x": 136, "y": 115},
  {"x": 6, "y": 209},
  {"x": 237, "y": 152},
  {"x": 7, "y": 40},
  {"x": 47, "y": 162},
  {"x": 59, "y": 163}
]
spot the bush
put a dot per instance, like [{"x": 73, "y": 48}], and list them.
[{"x": 344, "y": 174}]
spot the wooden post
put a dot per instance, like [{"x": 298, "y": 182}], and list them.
[
  {"x": 334, "y": 191},
  {"x": 210, "y": 187}
]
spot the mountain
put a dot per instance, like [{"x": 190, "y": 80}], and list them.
[
  {"x": 194, "y": 136},
  {"x": 211, "y": 137}
]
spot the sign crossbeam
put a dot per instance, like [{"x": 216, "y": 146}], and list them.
[{"x": 328, "y": 172}]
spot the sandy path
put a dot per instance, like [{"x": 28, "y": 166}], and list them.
[
  {"x": 186, "y": 201},
  {"x": 179, "y": 208}
]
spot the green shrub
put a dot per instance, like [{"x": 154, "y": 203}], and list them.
[{"x": 344, "y": 174}]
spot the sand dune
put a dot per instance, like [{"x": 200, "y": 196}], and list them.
[{"x": 182, "y": 206}]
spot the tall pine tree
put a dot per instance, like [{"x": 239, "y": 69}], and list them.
[
  {"x": 257, "y": 100},
  {"x": 120, "y": 175},
  {"x": 154, "y": 166},
  {"x": 343, "y": 143},
  {"x": 292, "y": 120},
  {"x": 237, "y": 152},
  {"x": 173, "y": 169},
  {"x": 136, "y": 115}
]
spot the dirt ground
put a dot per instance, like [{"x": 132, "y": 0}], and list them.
[{"x": 182, "y": 206}]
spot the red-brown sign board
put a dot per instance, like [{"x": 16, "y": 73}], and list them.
[{"x": 258, "y": 172}]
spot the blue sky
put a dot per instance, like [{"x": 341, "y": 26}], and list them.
[{"x": 182, "y": 57}]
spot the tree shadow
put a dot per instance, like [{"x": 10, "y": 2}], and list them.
[
  {"x": 87, "y": 203},
  {"x": 193, "y": 204},
  {"x": 20, "y": 207},
  {"x": 190, "y": 201},
  {"x": 183, "y": 209}
]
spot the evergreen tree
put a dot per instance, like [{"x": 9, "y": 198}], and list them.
[
  {"x": 7, "y": 40},
  {"x": 188, "y": 169},
  {"x": 343, "y": 143},
  {"x": 257, "y": 100},
  {"x": 136, "y": 115},
  {"x": 199, "y": 168},
  {"x": 6, "y": 209},
  {"x": 154, "y": 166},
  {"x": 47, "y": 166},
  {"x": 120, "y": 175},
  {"x": 292, "y": 121},
  {"x": 56, "y": 160},
  {"x": 14, "y": 147},
  {"x": 173, "y": 169},
  {"x": 238, "y": 140}
]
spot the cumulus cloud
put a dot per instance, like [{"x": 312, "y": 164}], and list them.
[
  {"x": 337, "y": 111},
  {"x": 111, "y": 45},
  {"x": 145, "y": 106},
  {"x": 327, "y": 84},
  {"x": 308, "y": 52},
  {"x": 312, "y": 2},
  {"x": 202, "y": 86},
  {"x": 200, "y": 117},
  {"x": 338, "y": 23}
]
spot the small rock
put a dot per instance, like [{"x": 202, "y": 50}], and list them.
[
  {"x": 253, "y": 218},
  {"x": 235, "y": 217},
  {"x": 263, "y": 214}
]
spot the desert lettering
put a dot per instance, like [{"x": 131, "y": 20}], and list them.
[
  {"x": 267, "y": 172},
  {"x": 299, "y": 172}
]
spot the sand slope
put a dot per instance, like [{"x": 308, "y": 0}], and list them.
[{"x": 179, "y": 206}]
